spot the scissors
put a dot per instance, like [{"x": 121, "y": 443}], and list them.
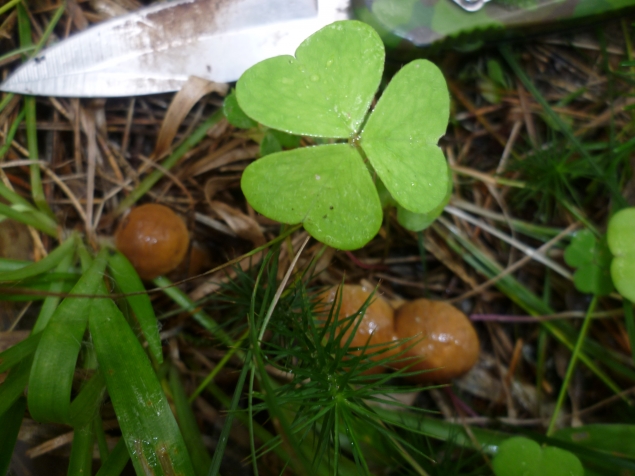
[{"x": 157, "y": 48}]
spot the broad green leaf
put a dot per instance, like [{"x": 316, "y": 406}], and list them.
[
  {"x": 592, "y": 259},
  {"x": 326, "y": 188},
  {"x": 420, "y": 221},
  {"x": 148, "y": 426},
  {"x": 10, "y": 422},
  {"x": 234, "y": 114},
  {"x": 325, "y": 91},
  {"x": 620, "y": 236},
  {"x": 401, "y": 135},
  {"x": 522, "y": 456},
  {"x": 56, "y": 356},
  {"x": 42, "y": 266},
  {"x": 14, "y": 355},
  {"x": 129, "y": 283}
]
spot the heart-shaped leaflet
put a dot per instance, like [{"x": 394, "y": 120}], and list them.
[
  {"x": 401, "y": 137},
  {"x": 522, "y": 456},
  {"x": 620, "y": 236},
  {"x": 592, "y": 260},
  {"x": 325, "y": 91},
  {"x": 326, "y": 188}
]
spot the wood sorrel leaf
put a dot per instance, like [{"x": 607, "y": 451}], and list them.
[
  {"x": 592, "y": 259},
  {"x": 234, "y": 114},
  {"x": 620, "y": 236},
  {"x": 401, "y": 137},
  {"x": 325, "y": 91},
  {"x": 420, "y": 221},
  {"x": 522, "y": 456},
  {"x": 326, "y": 188}
]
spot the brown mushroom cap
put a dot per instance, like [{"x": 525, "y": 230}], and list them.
[
  {"x": 153, "y": 238},
  {"x": 377, "y": 322},
  {"x": 442, "y": 335}
]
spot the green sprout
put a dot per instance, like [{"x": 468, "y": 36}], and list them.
[{"x": 325, "y": 91}]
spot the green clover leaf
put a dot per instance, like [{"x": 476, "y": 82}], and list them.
[
  {"x": 327, "y": 188},
  {"x": 234, "y": 114},
  {"x": 402, "y": 132},
  {"x": 325, "y": 91},
  {"x": 420, "y": 221},
  {"x": 620, "y": 236},
  {"x": 592, "y": 260},
  {"x": 522, "y": 456}
]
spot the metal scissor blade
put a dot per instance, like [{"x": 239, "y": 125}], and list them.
[{"x": 155, "y": 49}]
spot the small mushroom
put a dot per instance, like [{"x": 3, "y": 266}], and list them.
[
  {"x": 377, "y": 322},
  {"x": 153, "y": 238},
  {"x": 441, "y": 335}
]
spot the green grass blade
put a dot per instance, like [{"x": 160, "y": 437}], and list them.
[
  {"x": 201, "y": 459},
  {"x": 12, "y": 264},
  {"x": 5, "y": 8},
  {"x": 128, "y": 281},
  {"x": 21, "y": 209},
  {"x": 535, "y": 306},
  {"x": 100, "y": 436},
  {"x": 85, "y": 407},
  {"x": 56, "y": 356},
  {"x": 81, "y": 460},
  {"x": 563, "y": 126},
  {"x": 34, "y": 218},
  {"x": 14, "y": 355},
  {"x": 24, "y": 28},
  {"x": 10, "y": 422},
  {"x": 572, "y": 363},
  {"x": 229, "y": 420},
  {"x": 116, "y": 461},
  {"x": 42, "y": 266},
  {"x": 8, "y": 139},
  {"x": 150, "y": 430},
  {"x": 50, "y": 303},
  {"x": 183, "y": 300},
  {"x": 14, "y": 384}
]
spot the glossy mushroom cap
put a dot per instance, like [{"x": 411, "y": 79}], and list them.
[
  {"x": 442, "y": 335},
  {"x": 377, "y": 322},
  {"x": 153, "y": 238}
]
